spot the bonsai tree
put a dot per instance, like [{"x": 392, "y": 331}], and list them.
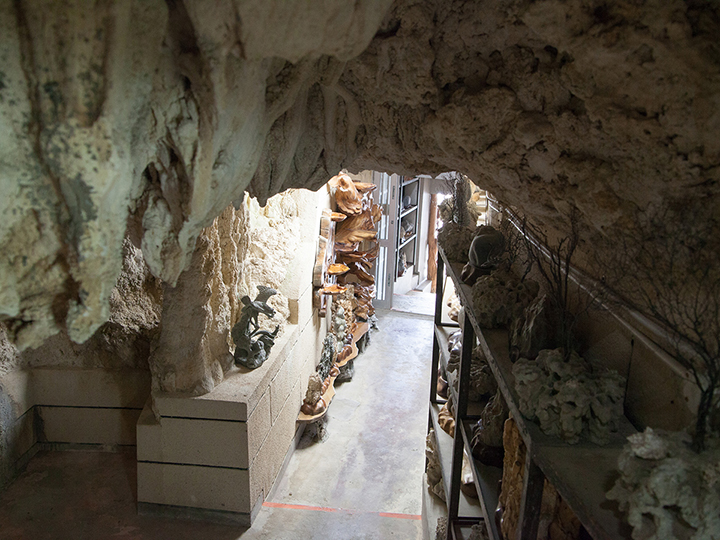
[{"x": 666, "y": 265}]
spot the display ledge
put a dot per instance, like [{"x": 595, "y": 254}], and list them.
[
  {"x": 408, "y": 211},
  {"x": 407, "y": 241},
  {"x": 487, "y": 482},
  {"x": 468, "y": 507},
  {"x": 442, "y": 333},
  {"x": 582, "y": 472},
  {"x": 329, "y": 394}
]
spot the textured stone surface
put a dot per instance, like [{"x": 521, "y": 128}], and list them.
[
  {"x": 667, "y": 490},
  {"x": 152, "y": 116},
  {"x": 570, "y": 398}
]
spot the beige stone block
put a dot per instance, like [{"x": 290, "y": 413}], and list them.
[
  {"x": 304, "y": 354},
  {"x": 193, "y": 441},
  {"x": 212, "y": 488},
  {"x": 258, "y": 426},
  {"x": 78, "y": 387},
  {"x": 237, "y": 396},
  {"x": 268, "y": 461},
  {"x": 305, "y": 308},
  {"x": 89, "y": 425},
  {"x": 299, "y": 271}
]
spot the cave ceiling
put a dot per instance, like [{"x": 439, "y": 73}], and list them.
[{"x": 147, "y": 118}]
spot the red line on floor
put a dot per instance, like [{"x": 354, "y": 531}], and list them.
[{"x": 326, "y": 509}]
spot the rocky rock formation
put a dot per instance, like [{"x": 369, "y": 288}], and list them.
[
  {"x": 667, "y": 490},
  {"x": 152, "y": 117},
  {"x": 570, "y": 398}
]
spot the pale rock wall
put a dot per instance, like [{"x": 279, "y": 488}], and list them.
[
  {"x": 154, "y": 116},
  {"x": 146, "y": 113},
  {"x": 242, "y": 249}
]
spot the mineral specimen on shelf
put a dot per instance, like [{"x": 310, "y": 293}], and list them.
[
  {"x": 446, "y": 420},
  {"x": 478, "y": 532},
  {"x": 570, "y": 398},
  {"x": 482, "y": 380},
  {"x": 455, "y": 241},
  {"x": 533, "y": 332},
  {"x": 252, "y": 344},
  {"x": 314, "y": 390},
  {"x": 327, "y": 357},
  {"x": 669, "y": 491},
  {"x": 347, "y": 197},
  {"x": 487, "y": 439},
  {"x": 485, "y": 250},
  {"x": 556, "y": 521},
  {"x": 454, "y": 304},
  {"x": 501, "y": 298},
  {"x": 433, "y": 469}
]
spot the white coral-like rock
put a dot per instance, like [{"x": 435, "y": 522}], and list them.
[
  {"x": 455, "y": 241},
  {"x": 670, "y": 495},
  {"x": 568, "y": 398},
  {"x": 501, "y": 298}
]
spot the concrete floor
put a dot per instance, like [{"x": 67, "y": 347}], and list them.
[{"x": 363, "y": 483}]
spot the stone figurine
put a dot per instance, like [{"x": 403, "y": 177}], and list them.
[{"x": 252, "y": 345}]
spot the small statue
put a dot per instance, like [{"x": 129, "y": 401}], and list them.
[{"x": 252, "y": 345}]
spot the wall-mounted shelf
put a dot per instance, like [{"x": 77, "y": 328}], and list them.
[
  {"x": 408, "y": 211},
  {"x": 407, "y": 241}
]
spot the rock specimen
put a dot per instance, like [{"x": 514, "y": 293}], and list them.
[
  {"x": 482, "y": 380},
  {"x": 534, "y": 331},
  {"x": 667, "y": 490},
  {"x": 501, "y": 298},
  {"x": 487, "y": 436},
  {"x": 446, "y": 419},
  {"x": 570, "y": 399},
  {"x": 455, "y": 241},
  {"x": 433, "y": 470},
  {"x": 252, "y": 345},
  {"x": 556, "y": 522},
  {"x": 454, "y": 304},
  {"x": 485, "y": 250},
  {"x": 327, "y": 357},
  {"x": 314, "y": 403}
]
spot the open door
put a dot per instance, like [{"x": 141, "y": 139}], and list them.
[{"x": 385, "y": 263}]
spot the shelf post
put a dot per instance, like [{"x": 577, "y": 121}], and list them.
[{"x": 533, "y": 484}]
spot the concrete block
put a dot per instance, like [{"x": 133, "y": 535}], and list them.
[
  {"x": 76, "y": 387},
  {"x": 237, "y": 396},
  {"x": 212, "y": 488},
  {"x": 217, "y": 443},
  {"x": 304, "y": 354},
  {"x": 268, "y": 461},
  {"x": 258, "y": 426},
  {"x": 89, "y": 425}
]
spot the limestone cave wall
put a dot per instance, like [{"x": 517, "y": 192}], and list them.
[{"x": 150, "y": 117}]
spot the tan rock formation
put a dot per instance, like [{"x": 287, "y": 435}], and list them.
[{"x": 156, "y": 115}]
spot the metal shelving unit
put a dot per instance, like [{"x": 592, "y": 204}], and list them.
[{"x": 580, "y": 473}]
